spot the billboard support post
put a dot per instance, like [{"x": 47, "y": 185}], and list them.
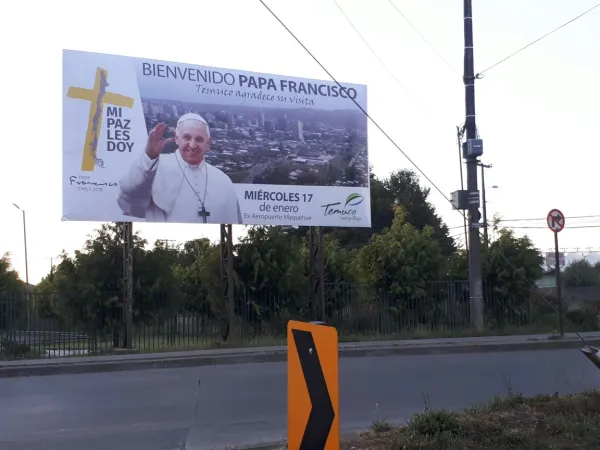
[
  {"x": 317, "y": 273},
  {"x": 227, "y": 279},
  {"x": 127, "y": 335}
]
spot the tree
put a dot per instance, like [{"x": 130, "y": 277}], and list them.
[
  {"x": 199, "y": 278},
  {"x": 200, "y": 281},
  {"x": 271, "y": 266},
  {"x": 191, "y": 250},
  {"x": 402, "y": 188},
  {"x": 407, "y": 192},
  {"x": 12, "y": 301},
  {"x": 382, "y": 214},
  {"x": 458, "y": 266},
  {"x": 86, "y": 290},
  {"x": 400, "y": 263},
  {"x": 581, "y": 273},
  {"x": 9, "y": 278},
  {"x": 511, "y": 268}
]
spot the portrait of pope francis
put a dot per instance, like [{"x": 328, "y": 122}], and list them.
[{"x": 180, "y": 186}]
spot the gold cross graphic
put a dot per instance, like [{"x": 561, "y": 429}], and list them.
[{"x": 98, "y": 97}]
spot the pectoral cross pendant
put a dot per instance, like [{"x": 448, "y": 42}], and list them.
[{"x": 204, "y": 214}]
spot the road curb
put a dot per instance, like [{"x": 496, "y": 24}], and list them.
[
  {"x": 264, "y": 446},
  {"x": 279, "y": 445},
  {"x": 266, "y": 356}
]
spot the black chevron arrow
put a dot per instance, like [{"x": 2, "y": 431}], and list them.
[{"x": 322, "y": 413}]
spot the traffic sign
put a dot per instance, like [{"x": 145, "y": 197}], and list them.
[
  {"x": 555, "y": 220},
  {"x": 313, "y": 390}
]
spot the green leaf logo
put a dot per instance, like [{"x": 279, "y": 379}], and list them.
[{"x": 354, "y": 199}]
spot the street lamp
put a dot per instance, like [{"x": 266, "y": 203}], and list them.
[
  {"x": 26, "y": 267},
  {"x": 25, "y": 244}
]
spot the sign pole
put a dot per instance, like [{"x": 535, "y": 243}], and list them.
[
  {"x": 558, "y": 286},
  {"x": 556, "y": 222}
]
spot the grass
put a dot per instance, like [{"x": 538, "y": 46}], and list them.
[
  {"x": 145, "y": 341},
  {"x": 150, "y": 344},
  {"x": 515, "y": 422},
  {"x": 380, "y": 426}
]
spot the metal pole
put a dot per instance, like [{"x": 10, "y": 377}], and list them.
[
  {"x": 30, "y": 305},
  {"x": 475, "y": 282},
  {"x": 558, "y": 286},
  {"x": 27, "y": 296},
  {"x": 26, "y": 259},
  {"x": 485, "y": 222}
]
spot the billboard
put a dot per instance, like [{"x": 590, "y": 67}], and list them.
[{"x": 156, "y": 141}]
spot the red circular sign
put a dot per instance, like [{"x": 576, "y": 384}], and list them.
[{"x": 555, "y": 220}]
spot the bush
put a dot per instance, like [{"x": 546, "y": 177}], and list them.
[
  {"x": 431, "y": 423},
  {"x": 583, "y": 320},
  {"x": 12, "y": 350}
]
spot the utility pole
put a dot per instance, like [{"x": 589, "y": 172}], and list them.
[
  {"x": 472, "y": 149},
  {"x": 483, "y": 200}
]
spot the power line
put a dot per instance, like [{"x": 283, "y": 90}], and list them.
[
  {"x": 531, "y": 219},
  {"x": 424, "y": 39},
  {"x": 544, "y": 218},
  {"x": 574, "y": 250},
  {"x": 418, "y": 102},
  {"x": 389, "y": 138},
  {"x": 569, "y": 324},
  {"x": 373, "y": 121},
  {"x": 387, "y": 69},
  {"x": 566, "y": 227},
  {"x": 479, "y": 75}
]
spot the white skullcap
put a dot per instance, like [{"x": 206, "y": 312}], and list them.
[{"x": 193, "y": 116}]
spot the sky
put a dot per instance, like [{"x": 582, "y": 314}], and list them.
[{"x": 537, "y": 113}]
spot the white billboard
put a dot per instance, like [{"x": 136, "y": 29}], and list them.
[{"x": 155, "y": 141}]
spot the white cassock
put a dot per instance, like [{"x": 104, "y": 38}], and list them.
[{"x": 158, "y": 191}]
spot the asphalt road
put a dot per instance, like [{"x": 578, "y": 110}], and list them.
[{"x": 244, "y": 404}]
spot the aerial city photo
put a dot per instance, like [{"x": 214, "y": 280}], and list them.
[{"x": 286, "y": 146}]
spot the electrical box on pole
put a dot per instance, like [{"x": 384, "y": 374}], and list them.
[
  {"x": 460, "y": 200},
  {"x": 473, "y": 148}
]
